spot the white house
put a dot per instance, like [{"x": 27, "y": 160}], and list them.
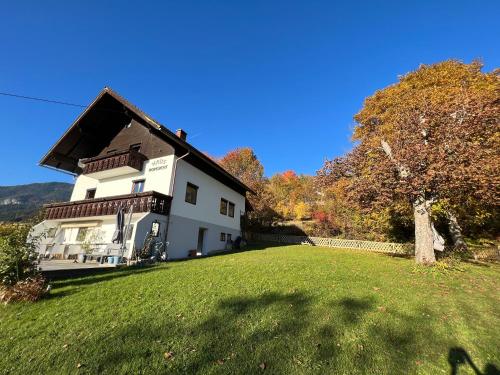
[{"x": 121, "y": 157}]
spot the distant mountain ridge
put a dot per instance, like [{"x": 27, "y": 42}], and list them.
[{"x": 19, "y": 202}]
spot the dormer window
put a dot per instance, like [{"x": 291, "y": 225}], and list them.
[{"x": 135, "y": 147}]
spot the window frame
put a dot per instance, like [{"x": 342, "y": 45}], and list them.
[
  {"x": 51, "y": 232},
  {"x": 130, "y": 228},
  {"x": 230, "y": 212},
  {"x": 85, "y": 232},
  {"x": 226, "y": 202},
  {"x": 229, "y": 237},
  {"x": 223, "y": 236},
  {"x": 136, "y": 182},
  {"x": 135, "y": 147},
  {"x": 88, "y": 191},
  {"x": 195, "y": 188}
]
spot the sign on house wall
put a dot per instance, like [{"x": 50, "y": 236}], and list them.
[{"x": 158, "y": 165}]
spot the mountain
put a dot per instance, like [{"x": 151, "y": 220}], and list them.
[{"x": 19, "y": 202}]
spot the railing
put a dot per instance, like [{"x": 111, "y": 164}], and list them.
[
  {"x": 142, "y": 202},
  {"x": 126, "y": 158},
  {"x": 384, "y": 247}
]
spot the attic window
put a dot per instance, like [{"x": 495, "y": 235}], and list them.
[{"x": 135, "y": 147}]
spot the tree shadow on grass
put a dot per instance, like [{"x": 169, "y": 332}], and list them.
[
  {"x": 278, "y": 331},
  {"x": 240, "y": 334}
]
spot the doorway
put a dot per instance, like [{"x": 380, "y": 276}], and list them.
[
  {"x": 201, "y": 241},
  {"x": 65, "y": 252}
]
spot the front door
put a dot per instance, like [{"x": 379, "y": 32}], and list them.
[{"x": 201, "y": 240}]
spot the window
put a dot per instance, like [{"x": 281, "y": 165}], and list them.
[
  {"x": 138, "y": 186},
  {"x": 128, "y": 229},
  {"x": 228, "y": 236},
  {"x": 82, "y": 233},
  {"x": 90, "y": 194},
  {"x": 223, "y": 236},
  {"x": 223, "y": 206},
  {"x": 135, "y": 147},
  {"x": 51, "y": 232},
  {"x": 231, "y": 209},
  {"x": 191, "y": 193}
]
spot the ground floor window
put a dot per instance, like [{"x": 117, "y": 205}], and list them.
[
  {"x": 223, "y": 236},
  {"x": 228, "y": 237},
  {"x": 51, "y": 232},
  {"x": 82, "y": 234}
]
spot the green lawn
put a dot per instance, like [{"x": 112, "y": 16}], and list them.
[{"x": 296, "y": 309}]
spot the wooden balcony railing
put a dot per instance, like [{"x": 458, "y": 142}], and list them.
[
  {"x": 126, "y": 158},
  {"x": 142, "y": 202}
]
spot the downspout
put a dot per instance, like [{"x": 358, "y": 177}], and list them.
[{"x": 171, "y": 193}]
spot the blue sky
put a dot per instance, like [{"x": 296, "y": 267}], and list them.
[{"x": 282, "y": 77}]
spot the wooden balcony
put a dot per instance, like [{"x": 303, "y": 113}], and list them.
[
  {"x": 150, "y": 201},
  {"x": 115, "y": 164}
]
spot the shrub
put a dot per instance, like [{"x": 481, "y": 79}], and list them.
[{"x": 17, "y": 254}]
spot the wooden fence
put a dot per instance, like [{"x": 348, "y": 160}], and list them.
[{"x": 383, "y": 247}]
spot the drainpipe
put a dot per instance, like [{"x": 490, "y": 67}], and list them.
[{"x": 171, "y": 193}]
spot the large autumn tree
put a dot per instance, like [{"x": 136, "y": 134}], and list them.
[
  {"x": 244, "y": 164},
  {"x": 432, "y": 138},
  {"x": 293, "y": 195}
]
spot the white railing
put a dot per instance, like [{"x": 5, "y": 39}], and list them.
[{"x": 383, "y": 247}]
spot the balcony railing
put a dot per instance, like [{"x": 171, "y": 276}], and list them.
[
  {"x": 127, "y": 158},
  {"x": 142, "y": 202}
]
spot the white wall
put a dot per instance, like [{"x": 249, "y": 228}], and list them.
[
  {"x": 210, "y": 192},
  {"x": 157, "y": 173}
]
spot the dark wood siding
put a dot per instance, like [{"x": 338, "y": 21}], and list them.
[{"x": 151, "y": 145}]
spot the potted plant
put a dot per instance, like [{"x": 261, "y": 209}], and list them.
[{"x": 88, "y": 245}]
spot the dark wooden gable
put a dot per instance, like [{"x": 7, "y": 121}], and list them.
[
  {"x": 106, "y": 125},
  {"x": 135, "y": 133}
]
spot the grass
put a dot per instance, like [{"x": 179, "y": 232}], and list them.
[{"x": 289, "y": 310}]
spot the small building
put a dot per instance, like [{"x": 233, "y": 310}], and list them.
[{"x": 167, "y": 190}]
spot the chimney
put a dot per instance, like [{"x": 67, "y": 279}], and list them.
[{"x": 181, "y": 134}]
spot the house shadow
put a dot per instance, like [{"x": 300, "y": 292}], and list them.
[{"x": 98, "y": 276}]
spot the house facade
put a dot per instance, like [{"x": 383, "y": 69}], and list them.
[{"x": 124, "y": 160}]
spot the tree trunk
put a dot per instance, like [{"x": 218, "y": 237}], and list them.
[
  {"x": 455, "y": 231},
  {"x": 424, "y": 240}
]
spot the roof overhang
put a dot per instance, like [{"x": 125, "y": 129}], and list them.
[{"x": 103, "y": 119}]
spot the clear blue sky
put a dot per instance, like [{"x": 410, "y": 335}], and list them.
[{"x": 284, "y": 78}]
